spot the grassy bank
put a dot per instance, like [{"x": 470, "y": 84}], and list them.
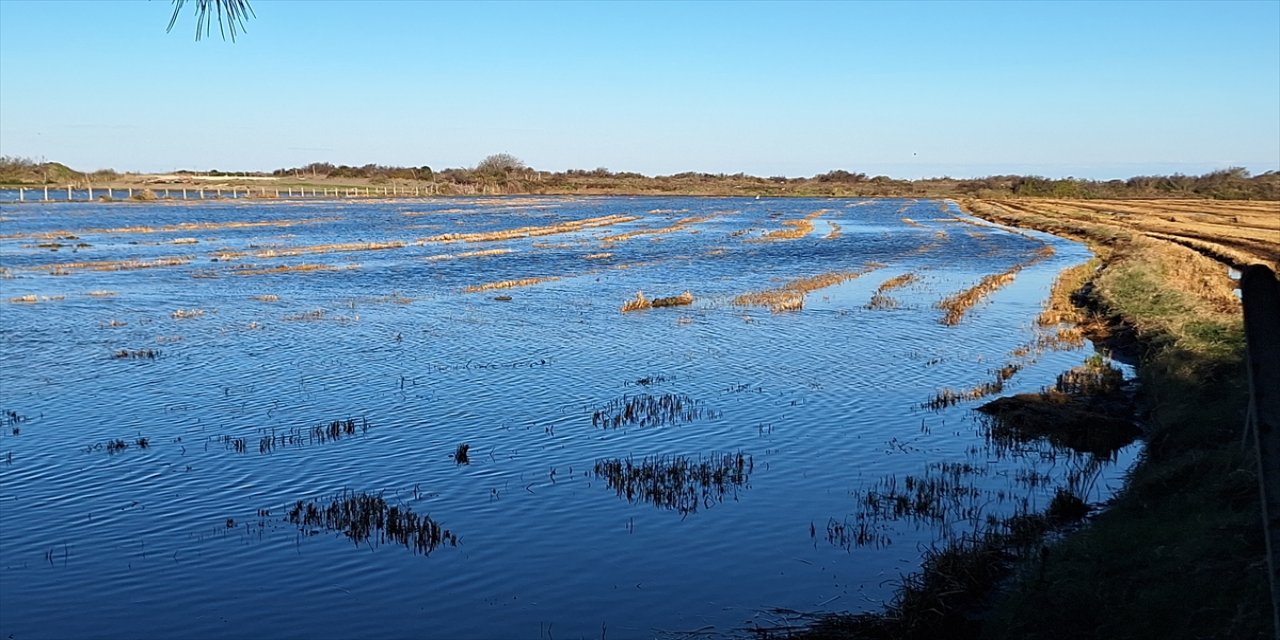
[{"x": 1179, "y": 552}]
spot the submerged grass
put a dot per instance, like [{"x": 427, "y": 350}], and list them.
[
  {"x": 679, "y": 483},
  {"x": 365, "y": 517}
]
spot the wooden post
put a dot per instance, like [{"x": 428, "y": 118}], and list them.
[
  {"x": 68, "y": 193},
  {"x": 202, "y": 193},
  {"x": 46, "y": 193},
  {"x": 130, "y": 193},
  {"x": 22, "y": 194},
  {"x": 219, "y": 192},
  {"x": 184, "y": 193},
  {"x": 1260, "y": 295},
  {"x": 90, "y": 193}
]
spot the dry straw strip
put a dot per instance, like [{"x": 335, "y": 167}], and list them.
[
  {"x": 509, "y": 284},
  {"x": 678, "y": 226},
  {"x": 790, "y": 296},
  {"x": 795, "y": 230},
  {"x": 533, "y": 231}
]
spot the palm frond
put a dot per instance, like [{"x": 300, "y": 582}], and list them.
[{"x": 230, "y": 14}]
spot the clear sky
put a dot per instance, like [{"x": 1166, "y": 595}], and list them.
[{"x": 1098, "y": 90}]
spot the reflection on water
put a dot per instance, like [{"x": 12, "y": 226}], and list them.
[{"x": 349, "y": 344}]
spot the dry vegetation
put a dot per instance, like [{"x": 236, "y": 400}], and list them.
[
  {"x": 115, "y": 265},
  {"x": 532, "y": 231},
  {"x": 1238, "y": 233}
]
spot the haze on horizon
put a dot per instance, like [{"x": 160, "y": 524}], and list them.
[{"x": 910, "y": 90}]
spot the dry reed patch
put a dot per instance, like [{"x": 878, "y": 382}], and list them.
[
  {"x": 338, "y": 247},
  {"x": 679, "y": 225},
  {"x": 509, "y": 284},
  {"x": 532, "y": 231},
  {"x": 186, "y": 314},
  {"x": 63, "y": 268},
  {"x": 223, "y": 255},
  {"x": 267, "y": 297},
  {"x": 101, "y": 293},
  {"x": 795, "y": 230}
]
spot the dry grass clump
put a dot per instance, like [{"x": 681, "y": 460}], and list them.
[
  {"x": 790, "y": 296},
  {"x": 532, "y": 231},
  {"x": 678, "y": 226},
  {"x": 795, "y": 230},
  {"x": 640, "y": 302},
  {"x": 637, "y": 303},
  {"x": 186, "y": 314},
  {"x": 509, "y": 284}
]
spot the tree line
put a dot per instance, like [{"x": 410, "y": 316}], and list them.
[{"x": 505, "y": 174}]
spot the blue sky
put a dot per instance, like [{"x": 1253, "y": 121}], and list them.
[{"x": 909, "y": 90}]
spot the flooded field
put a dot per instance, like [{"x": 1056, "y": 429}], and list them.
[{"x": 525, "y": 417}]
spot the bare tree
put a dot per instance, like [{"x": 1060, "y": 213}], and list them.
[{"x": 231, "y": 15}]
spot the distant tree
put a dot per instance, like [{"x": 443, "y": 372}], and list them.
[
  {"x": 231, "y": 15},
  {"x": 500, "y": 164}
]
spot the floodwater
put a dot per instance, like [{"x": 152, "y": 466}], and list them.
[{"x": 644, "y": 474}]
